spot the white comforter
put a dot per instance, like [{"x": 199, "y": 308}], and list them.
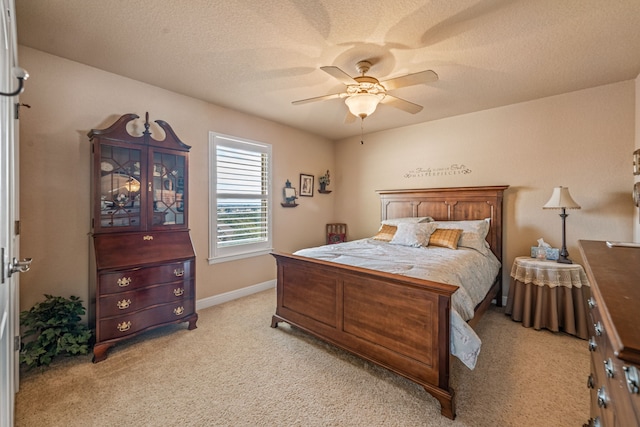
[{"x": 467, "y": 268}]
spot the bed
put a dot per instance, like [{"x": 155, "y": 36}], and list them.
[{"x": 396, "y": 321}]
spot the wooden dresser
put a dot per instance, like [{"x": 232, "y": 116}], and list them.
[
  {"x": 614, "y": 329},
  {"x": 143, "y": 275}
]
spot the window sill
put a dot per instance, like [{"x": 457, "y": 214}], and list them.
[{"x": 235, "y": 257}]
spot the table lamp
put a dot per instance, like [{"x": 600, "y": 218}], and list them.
[{"x": 561, "y": 199}]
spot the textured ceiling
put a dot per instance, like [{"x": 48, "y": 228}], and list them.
[{"x": 259, "y": 56}]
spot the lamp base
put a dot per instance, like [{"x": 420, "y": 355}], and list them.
[{"x": 564, "y": 260}]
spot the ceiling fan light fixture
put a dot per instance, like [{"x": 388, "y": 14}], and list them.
[{"x": 363, "y": 104}]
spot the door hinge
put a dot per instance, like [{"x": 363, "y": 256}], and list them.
[
  {"x": 17, "y": 342},
  {"x": 17, "y": 110},
  {"x": 17, "y": 228}
]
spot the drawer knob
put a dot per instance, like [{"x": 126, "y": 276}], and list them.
[
  {"x": 590, "y": 382},
  {"x": 591, "y": 302},
  {"x": 178, "y": 310},
  {"x": 124, "y": 304},
  {"x": 608, "y": 367},
  {"x": 593, "y": 344},
  {"x": 631, "y": 375},
  {"x": 124, "y": 326},
  {"x": 123, "y": 282},
  {"x": 147, "y": 237},
  {"x": 178, "y": 292},
  {"x": 594, "y": 422},
  {"x": 178, "y": 272},
  {"x": 598, "y": 328},
  {"x": 602, "y": 397}
]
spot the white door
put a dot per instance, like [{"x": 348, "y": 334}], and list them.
[{"x": 9, "y": 287}]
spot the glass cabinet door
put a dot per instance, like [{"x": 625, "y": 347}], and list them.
[
  {"x": 120, "y": 186},
  {"x": 168, "y": 189}
]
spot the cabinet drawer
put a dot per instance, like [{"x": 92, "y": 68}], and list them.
[
  {"x": 126, "y": 280},
  {"x": 122, "y": 326},
  {"x": 129, "y": 302}
]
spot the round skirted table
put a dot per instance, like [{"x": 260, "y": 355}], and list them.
[{"x": 550, "y": 295}]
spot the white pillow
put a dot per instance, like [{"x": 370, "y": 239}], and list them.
[
  {"x": 414, "y": 235},
  {"x": 407, "y": 220},
  {"x": 474, "y": 233}
]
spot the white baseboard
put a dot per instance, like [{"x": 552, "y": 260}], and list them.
[
  {"x": 229, "y": 296},
  {"x": 504, "y": 301}
]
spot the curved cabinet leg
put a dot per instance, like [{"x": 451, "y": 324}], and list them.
[
  {"x": 192, "y": 321},
  {"x": 100, "y": 351}
]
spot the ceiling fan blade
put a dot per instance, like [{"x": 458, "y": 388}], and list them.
[
  {"x": 337, "y": 73},
  {"x": 422, "y": 77},
  {"x": 402, "y": 104},
  {"x": 317, "y": 98}
]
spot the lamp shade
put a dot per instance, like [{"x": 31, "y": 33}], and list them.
[
  {"x": 561, "y": 199},
  {"x": 362, "y": 104}
]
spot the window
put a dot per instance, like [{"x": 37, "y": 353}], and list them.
[{"x": 240, "y": 211}]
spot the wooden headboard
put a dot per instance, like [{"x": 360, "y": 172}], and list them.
[{"x": 449, "y": 204}]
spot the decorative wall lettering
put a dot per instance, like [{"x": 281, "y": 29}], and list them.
[{"x": 454, "y": 169}]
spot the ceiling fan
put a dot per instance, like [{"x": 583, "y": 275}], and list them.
[{"x": 364, "y": 92}]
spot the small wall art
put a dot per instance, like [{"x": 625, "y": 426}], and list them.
[{"x": 306, "y": 185}]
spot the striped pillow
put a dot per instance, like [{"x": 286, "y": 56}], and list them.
[
  {"x": 446, "y": 238},
  {"x": 386, "y": 233}
]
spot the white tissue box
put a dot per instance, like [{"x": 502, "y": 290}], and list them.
[{"x": 551, "y": 253}]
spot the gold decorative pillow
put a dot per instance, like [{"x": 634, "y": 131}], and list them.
[
  {"x": 447, "y": 238},
  {"x": 385, "y": 233}
]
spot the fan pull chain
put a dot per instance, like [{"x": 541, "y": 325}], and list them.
[{"x": 362, "y": 131}]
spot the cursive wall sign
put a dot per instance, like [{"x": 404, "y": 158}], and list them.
[{"x": 454, "y": 169}]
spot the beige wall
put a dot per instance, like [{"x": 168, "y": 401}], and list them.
[
  {"x": 581, "y": 140},
  {"x": 67, "y": 100},
  {"x": 636, "y": 222}
]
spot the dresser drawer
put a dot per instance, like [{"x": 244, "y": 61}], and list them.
[
  {"x": 620, "y": 398},
  {"x": 611, "y": 402},
  {"x": 122, "y": 326},
  {"x": 129, "y": 302},
  {"x": 111, "y": 282},
  {"x": 594, "y": 383},
  {"x": 598, "y": 336}
]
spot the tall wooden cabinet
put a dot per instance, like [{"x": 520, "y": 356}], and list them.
[{"x": 143, "y": 275}]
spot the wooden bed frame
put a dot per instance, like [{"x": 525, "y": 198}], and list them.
[{"x": 397, "y": 322}]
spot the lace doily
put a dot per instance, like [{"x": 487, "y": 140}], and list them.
[{"x": 548, "y": 273}]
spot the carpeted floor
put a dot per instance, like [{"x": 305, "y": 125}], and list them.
[{"x": 235, "y": 370}]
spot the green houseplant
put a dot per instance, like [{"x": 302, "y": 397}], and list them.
[
  {"x": 324, "y": 180},
  {"x": 51, "y": 328}
]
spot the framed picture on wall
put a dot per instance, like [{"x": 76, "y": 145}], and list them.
[{"x": 306, "y": 185}]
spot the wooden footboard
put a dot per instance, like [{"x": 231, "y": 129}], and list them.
[
  {"x": 397, "y": 322},
  {"x": 400, "y": 323}
]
